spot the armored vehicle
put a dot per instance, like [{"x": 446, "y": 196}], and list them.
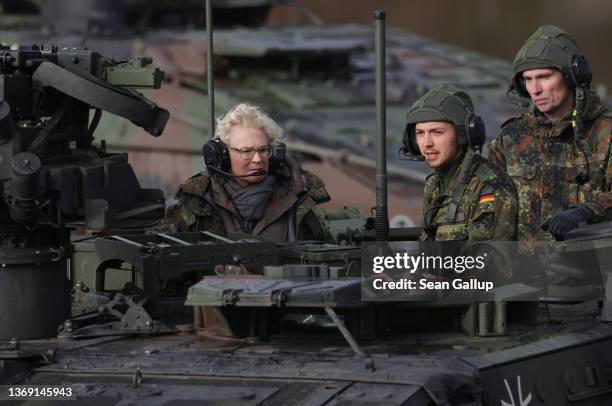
[{"x": 265, "y": 323}]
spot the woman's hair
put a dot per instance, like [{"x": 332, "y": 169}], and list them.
[{"x": 246, "y": 115}]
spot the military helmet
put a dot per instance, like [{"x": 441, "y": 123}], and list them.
[
  {"x": 551, "y": 47},
  {"x": 444, "y": 103}
]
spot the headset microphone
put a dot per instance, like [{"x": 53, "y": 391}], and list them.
[
  {"x": 206, "y": 172},
  {"x": 407, "y": 156}
]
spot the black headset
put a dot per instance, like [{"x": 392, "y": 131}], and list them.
[
  {"x": 472, "y": 134},
  {"x": 217, "y": 158},
  {"x": 577, "y": 74}
]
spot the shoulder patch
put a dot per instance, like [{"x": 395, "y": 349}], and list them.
[
  {"x": 196, "y": 185},
  {"x": 489, "y": 197},
  {"x": 311, "y": 180}
]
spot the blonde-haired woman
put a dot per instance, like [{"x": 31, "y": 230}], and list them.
[{"x": 242, "y": 192}]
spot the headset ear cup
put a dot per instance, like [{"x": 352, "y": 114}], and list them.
[
  {"x": 216, "y": 155},
  {"x": 476, "y": 132},
  {"x": 463, "y": 137},
  {"x": 414, "y": 145},
  {"x": 410, "y": 145},
  {"x": 224, "y": 156},
  {"x": 277, "y": 157},
  {"x": 581, "y": 71},
  {"x": 519, "y": 85}
]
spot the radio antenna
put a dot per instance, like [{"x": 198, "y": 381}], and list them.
[
  {"x": 210, "y": 73},
  {"x": 382, "y": 218}
]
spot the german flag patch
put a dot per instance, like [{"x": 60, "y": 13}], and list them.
[{"x": 487, "y": 198}]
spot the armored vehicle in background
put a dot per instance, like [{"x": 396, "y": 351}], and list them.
[{"x": 317, "y": 81}]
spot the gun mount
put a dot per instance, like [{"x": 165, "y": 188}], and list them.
[
  {"x": 54, "y": 178},
  {"x": 275, "y": 292}
]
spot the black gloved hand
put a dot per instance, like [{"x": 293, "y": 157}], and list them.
[{"x": 562, "y": 223}]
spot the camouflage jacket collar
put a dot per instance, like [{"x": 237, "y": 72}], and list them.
[
  {"x": 593, "y": 110},
  {"x": 449, "y": 189},
  {"x": 594, "y": 107},
  {"x": 446, "y": 176}
]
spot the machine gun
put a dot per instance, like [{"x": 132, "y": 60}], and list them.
[{"x": 54, "y": 178}]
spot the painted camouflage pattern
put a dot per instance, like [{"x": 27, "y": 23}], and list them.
[
  {"x": 203, "y": 205},
  {"x": 474, "y": 221},
  {"x": 542, "y": 160},
  {"x": 327, "y": 112}
]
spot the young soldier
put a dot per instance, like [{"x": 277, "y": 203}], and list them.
[
  {"x": 466, "y": 198},
  {"x": 557, "y": 154}
]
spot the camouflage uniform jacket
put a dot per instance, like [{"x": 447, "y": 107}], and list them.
[
  {"x": 543, "y": 161},
  {"x": 487, "y": 206},
  {"x": 204, "y": 205}
]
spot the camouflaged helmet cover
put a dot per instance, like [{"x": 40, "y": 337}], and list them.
[
  {"x": 441, "y": 103},
  {"x": 548, "y": 47}
]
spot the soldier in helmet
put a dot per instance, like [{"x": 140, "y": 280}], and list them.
[
  {"x": 558, "y": 153},
  {"x": 466, "y": 198},
  {"x": 251, "y": 186}
]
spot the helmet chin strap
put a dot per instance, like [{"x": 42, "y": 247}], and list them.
[
  {"x": 461, "y": 185},
  {"x": 578, "y": 113},
  {"x": 578, "y": 124},
  {"x": 406, "y": 155}
]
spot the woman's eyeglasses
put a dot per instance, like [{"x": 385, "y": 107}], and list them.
[{"x": 248, "y": 153}]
